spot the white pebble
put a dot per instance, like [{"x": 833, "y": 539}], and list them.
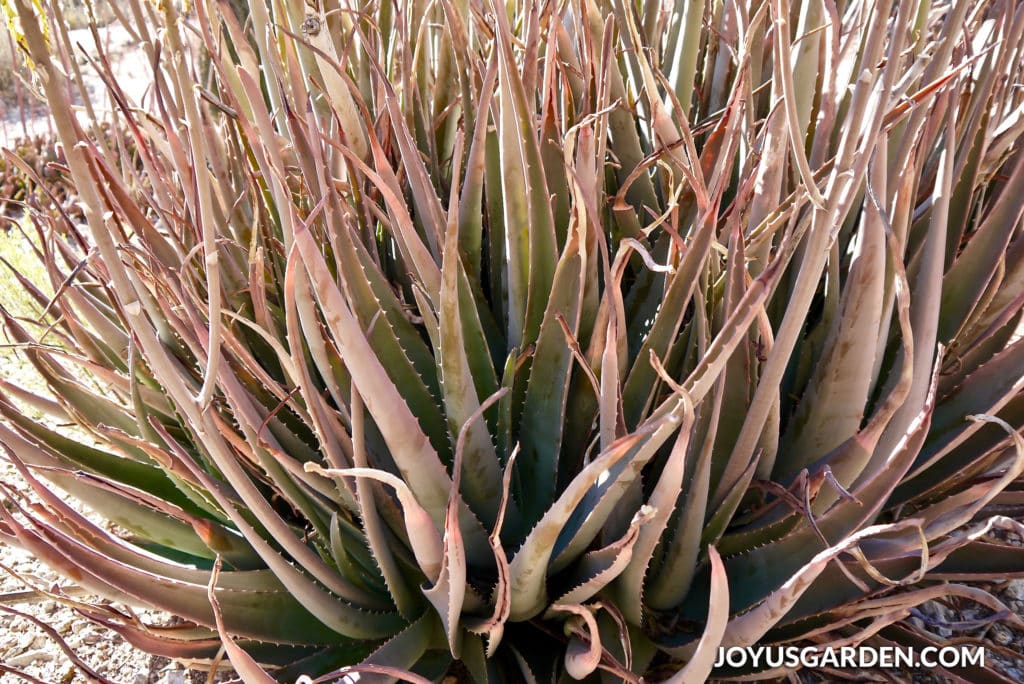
[{"x": 29, "y": 657}]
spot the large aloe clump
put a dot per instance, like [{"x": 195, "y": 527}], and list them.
[{"x": 558, "y": 339}]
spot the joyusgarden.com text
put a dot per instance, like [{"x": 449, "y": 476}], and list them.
[{"x": 849, "y": 657}]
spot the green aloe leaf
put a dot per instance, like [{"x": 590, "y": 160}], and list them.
[
  {"x": 542, "y": 419},
  {"x": 627, "y": 455},
  {"x": 527, "y": 221},
  {"x": 967, "y": 278}
]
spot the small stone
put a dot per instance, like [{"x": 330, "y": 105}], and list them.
[
  {"x": 941, "y": 617},
  {"x": 174, "y": 677},
  {"x": 1015, "y": 589},
  {"x": 29, "y": 657},
  {"x": 1001, "y": 635},
  {"x": 24, "y": 644}
]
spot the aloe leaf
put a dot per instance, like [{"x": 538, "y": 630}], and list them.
[
  {"x": 665, "y": 328},
  {"x": 474, "y": 658},
  {"x": 106, "y": 334},
  {"x": 373, "y": 525},
  {"x": 449, "y": 593},
  {"x": 493, "y": 627},
  {"x": 334, "y": 612},
  {"x": 497, "y": 250},
  {"x": 944, "y": 468},
  {"x": 151, "y": 641},
  {"x": 663, "y": 501},
  {"x": 967, "y": 278},
  {"x": 598, "y": 568},
  {"x": 527, "y": 223},
  {"x": 734, "y": 331},
  {"x": 832, "y": 407},
  {"x": 530, "y": 564},
  {"x": 960, "y": 203},
  {"x": 606, "y": 502},
  {"x": 415, "y": 254},
  {"x": 281, "y": 466},
  {"x": 300, "y": 316},
  {"x": 773, "y": 563},
  {"x": 423, "y": 536},
  {"x": 736, "y": 385},
  {"x": 679, "y": 144},
  {"x": 425, "y": 199},
  {"x": 336, "y": 88},
  {"x": 347, "y": 546},
  {"x": 979, "y": 561},
  {"x": 133, "y": 215},
  {"x": 583, "y": 653},
  {"x": 404, "y": 649},
  {"x": 717, "y": 628},
  {"x": 681, "y": 55},
  {"x": 409, "y": 446},
  {"x": 927, "y": 288},
  {"x": 396, "y": 342},
  {"x": 141, "y": 519},
  {"x": 268, "y": 615},
  {"x": 449, "y": 589},
  {"x": 35, "y": 402},
  {"x": 747, "y": 628},
  {"x": 62, "y": 451},
  {"x": 547, "y": 389},
  {"x": 796, "y": 124},
  {"x": 471, "y": 206},
  {"x": 981, "y": 344},
  {"x": 986, "y": 391},
  {"x": 256, "y": 510},
  {"x": 481, "y": 471},
  {"x": 740, "y": 541},
  {"x": 610, "y": 419},
  {"x": 718, "y": 522},
  {"x": 243, "y": 663},
  {"x": 672, "y": 578},
  {"x": 95, "y": 409},
  {"x": 551, "y": 154},
  {"x": 956, "y": 510}
]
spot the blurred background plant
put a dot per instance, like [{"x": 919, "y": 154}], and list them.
[{"x": 523, "y": 341}]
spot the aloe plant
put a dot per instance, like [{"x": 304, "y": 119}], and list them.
[{"x": 530, "y": 341}]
